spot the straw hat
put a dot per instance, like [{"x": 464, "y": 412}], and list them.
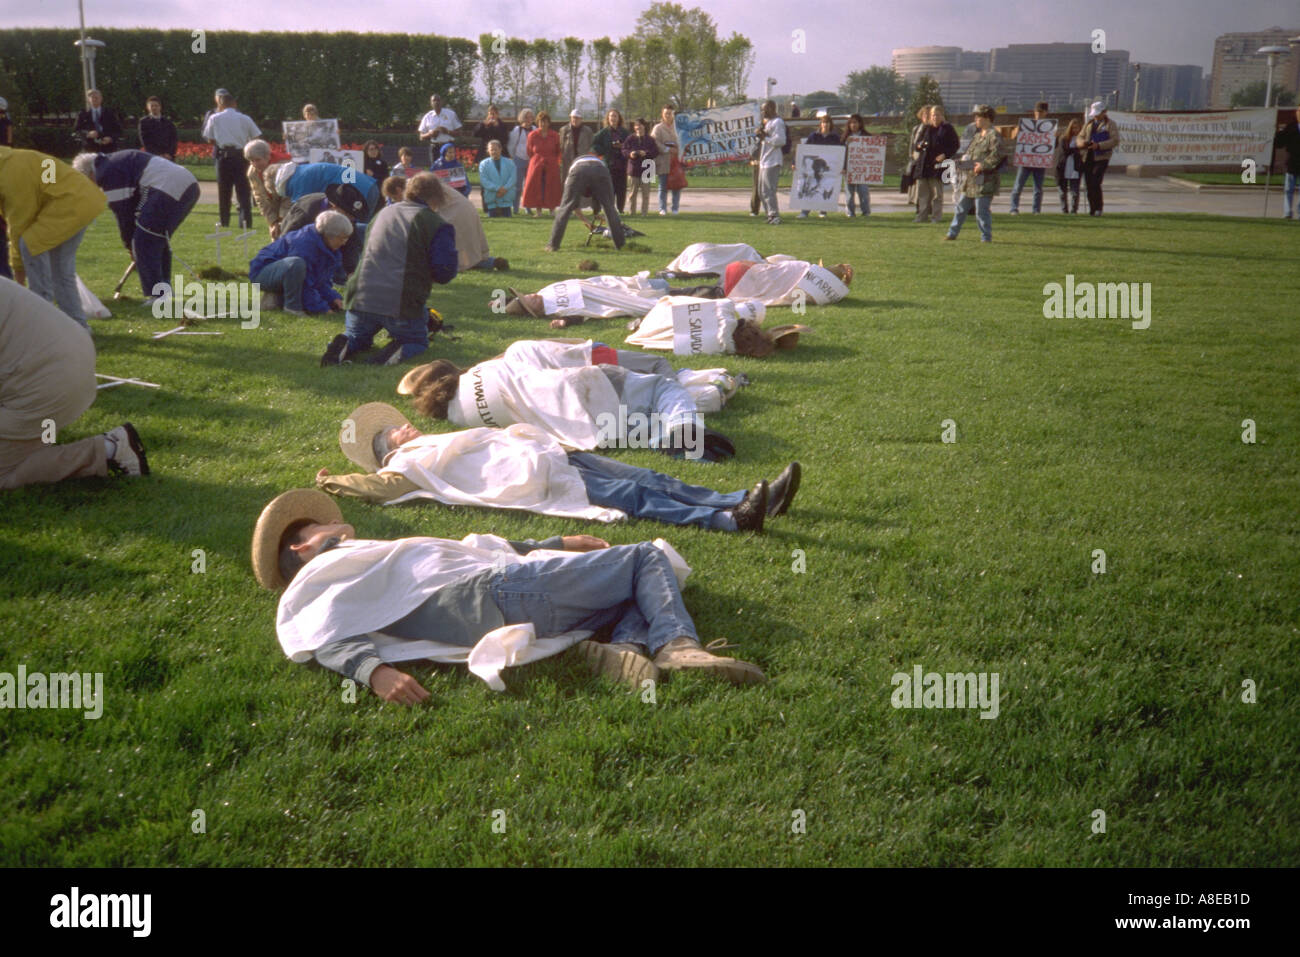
[
  {"x": 367, "y": 422},
  {"x": 787, "y": 336},
  {"x": 290, "y": 508}
]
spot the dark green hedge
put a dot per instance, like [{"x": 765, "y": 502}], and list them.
[{"x": 367, "y": 80}]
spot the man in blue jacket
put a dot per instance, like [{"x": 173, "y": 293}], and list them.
[
  {"x": 301, "y": 264},
  {"x": 150, "y": 197},
  {"x": 296, "y": 180}
]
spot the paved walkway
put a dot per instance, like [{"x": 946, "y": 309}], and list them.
[{"x": 1124, "y": 194}]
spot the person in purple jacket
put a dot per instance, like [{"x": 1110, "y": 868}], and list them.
[
  {"x": 300, "y": 264},
  {"x": 150, "y": 197}
]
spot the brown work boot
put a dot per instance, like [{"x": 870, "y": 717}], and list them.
[
  {"x": 619, "y": 661},
  {"x": 682, "y": 653}
]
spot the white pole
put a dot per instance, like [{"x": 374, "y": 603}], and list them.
[{"x": 85, "y": 69}]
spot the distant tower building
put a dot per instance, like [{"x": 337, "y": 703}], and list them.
[
  {"x": 1166, "y": 86},
  {"x": 1237, "y": 65},
  {"x": 1068, "y": 75},
  {"x": 912, "y": 62},
  {"x": 963, "y": 89}
]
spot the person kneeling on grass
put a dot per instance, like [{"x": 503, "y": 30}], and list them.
[
  {"x": 297, "y": 269},
  {"x": 344, "y": 198},
  {"x": 471, "y": 240},
  {"x": 357, "y": 606},
  {"x": 48, "y": 382},
  {"x": 521, "y": 467},
  {"x": 408, "y": 248}
]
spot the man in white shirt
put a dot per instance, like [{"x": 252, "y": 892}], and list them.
[
  {"x": 231, "y": 130},
  {"x": 437, "y": 125},
  {"x": 773, "y": 136}
]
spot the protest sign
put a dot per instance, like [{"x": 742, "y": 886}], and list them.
[
  {"x": 816, "y": 183},
  {"x": 1035, "y": 143},
  {"x": 723, "y": 135},
  {"x": 866, "y": 160},
  {"x": 302, "y": 136},
  {"x": 1190, "y": 139},
  {"x": 353, "y": 158}
]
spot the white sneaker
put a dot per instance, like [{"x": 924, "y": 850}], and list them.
[
  {"x": 663, "y": 212},
  {"x": 129, "y": 457}
]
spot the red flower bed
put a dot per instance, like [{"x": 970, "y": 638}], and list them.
[{"x": 192, "y": 152}]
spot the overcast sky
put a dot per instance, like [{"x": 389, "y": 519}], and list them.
[{"x": 842, "y": 35}]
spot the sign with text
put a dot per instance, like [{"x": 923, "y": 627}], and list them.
[
  {"x": 1162, "y": 139},
  {"x": 723, "y": 135},
  {"x": 1035, "y": 143},
  {"x": 866, "y": 160}
]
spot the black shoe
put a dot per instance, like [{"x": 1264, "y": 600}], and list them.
[
  {"x": 501, "y": 265},
  {"x": 749, "y": 514},
  {"x": 781, "y": 491},
  {"x": 336, "y": 353},
  {"x": 389, "y": 355}
]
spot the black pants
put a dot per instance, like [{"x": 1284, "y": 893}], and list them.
[
  {"x": 1069, "y": 190},
  {"x": 588, "y": 179},
  {"x": 755, "y": 200},
  {"x": 619, "y": 178},
  {"x": 1093, "y": 174},
  {"x": 232, "y": 170}
]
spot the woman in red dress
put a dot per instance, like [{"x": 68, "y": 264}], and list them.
[{"x": 542, "y": 185}]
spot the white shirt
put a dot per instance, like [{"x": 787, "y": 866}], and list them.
[
  {"x": 444, "y": 122},
  {"x": 230, "y": 128},
  {"x": 518, "y": 143},
  {"x": 166, "y": 177},
  {"x": 773, "y": 139}
]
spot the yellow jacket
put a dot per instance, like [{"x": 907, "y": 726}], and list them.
[{"x": 44, "y": 200}]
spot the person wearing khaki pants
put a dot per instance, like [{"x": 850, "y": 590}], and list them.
[{"x": 47, "y": 380}]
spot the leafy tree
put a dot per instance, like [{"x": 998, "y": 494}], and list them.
[
  {"x": 1252, "y": 94},
  {"x": 627, "y": 58},
  {"x": 491, "y": 54},
  {"x": 654, "y": 69},
  {"x": 602, "y": 56},
  {"x": 571, "y": 58},
  {"x": 738, "y": 59},
  {"x": 926, "y": 94},
  {"x": 517, "y": 54},
  {"x": 875, "y": 90},
  {"x": 544, "y": 55}
]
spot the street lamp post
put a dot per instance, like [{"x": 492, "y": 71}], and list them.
[
  {"x": 1137, "y": 82},
  {"x": 771, "y": 82},
  {"x": 88, "y": 47},
  {"x": 1272, "y": 52}
]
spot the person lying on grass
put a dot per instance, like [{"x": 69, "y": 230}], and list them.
[
  {"x": 710, "y": 389},
  {"x": 582, "y": 407},
  {"x": 358, "y": 606},
  {"x": 521, "y": 467},
  {"x": 778, "y": 280}
]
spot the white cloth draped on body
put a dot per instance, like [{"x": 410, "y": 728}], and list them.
[
  {"x": 600, "y": 297},
  {"x": 686, "y": 325},
  {"x": 566, "y": 403},
  {"x": 360, "y": 586},
  {"x": 519, "y": 466}
]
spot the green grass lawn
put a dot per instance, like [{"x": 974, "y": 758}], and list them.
[{"x": 1120, "y": 691}]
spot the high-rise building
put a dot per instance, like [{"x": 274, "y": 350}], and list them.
[
  {"x": 1068, "y": 75},
  {"x": 963, "y": 89},
  {"x": 1165, "y": 86},
  {"x": 1237, "y": 65},
  {"x": 912, "y": 62}
]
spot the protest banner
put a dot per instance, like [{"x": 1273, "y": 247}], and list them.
[
  {"x": 302, "y": 136},
  {"x": 866, "y": 160},
  {"x": 723, "y": 135},
  {"x": 1193, "y": 139},
  {"x": 816, "y": 183},
  {"x": 354, "y": 158},
  {"x": 1035, "y": 143}
]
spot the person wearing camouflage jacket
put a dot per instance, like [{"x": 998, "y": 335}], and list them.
[{"x": 982, "y": 181}]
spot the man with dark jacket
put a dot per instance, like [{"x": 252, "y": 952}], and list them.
[
  {"x": 301, "y": 264},
  {"x": 157, "y": 133},
  {"x": 937, "y": 141},
  {"x": 1288, "y": 138},
  {"x": 408, "y": 248},
  {"x": 98, "y": 129},
  {"x": 341, "y": 197}
]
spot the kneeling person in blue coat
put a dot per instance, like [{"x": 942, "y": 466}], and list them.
[{"x": 301, "y": 264}]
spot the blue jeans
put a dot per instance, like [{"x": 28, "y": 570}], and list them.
[
  {"x": 646, "y": 494},
  {"x": 663, "y": 194},
  {"x": 361, "y": 328},
  {"x": 1022, "y": 176},
  {"x": 53, "y": 274},
  {"x": 645, "y": 395},
  {"x": 861, "y": 192},
  {"x": 156, "y": 219},
  {"x": 629, "y": 586},
  {"x": 1288, "y": 189},
  {"x": 285, "y": 276},
  {"x": 983, "y": 215}
]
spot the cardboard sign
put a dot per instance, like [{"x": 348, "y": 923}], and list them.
[
  {"x": 817, "y": 172},
  {"x": 1035, "y": 143},
  {"x": 302, "y": 136},
  {"x": 696, "y": 329},
  {"x": 866, "y": 160},
  {"x": 453, "y": 176},
  {"x": 354, "y": 158}
]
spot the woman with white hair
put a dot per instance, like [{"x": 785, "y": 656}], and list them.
[
  {"x": 297, "y": 268},
  {"x": 261, "y": 180},
  {"x": 150, "y": 197}
]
